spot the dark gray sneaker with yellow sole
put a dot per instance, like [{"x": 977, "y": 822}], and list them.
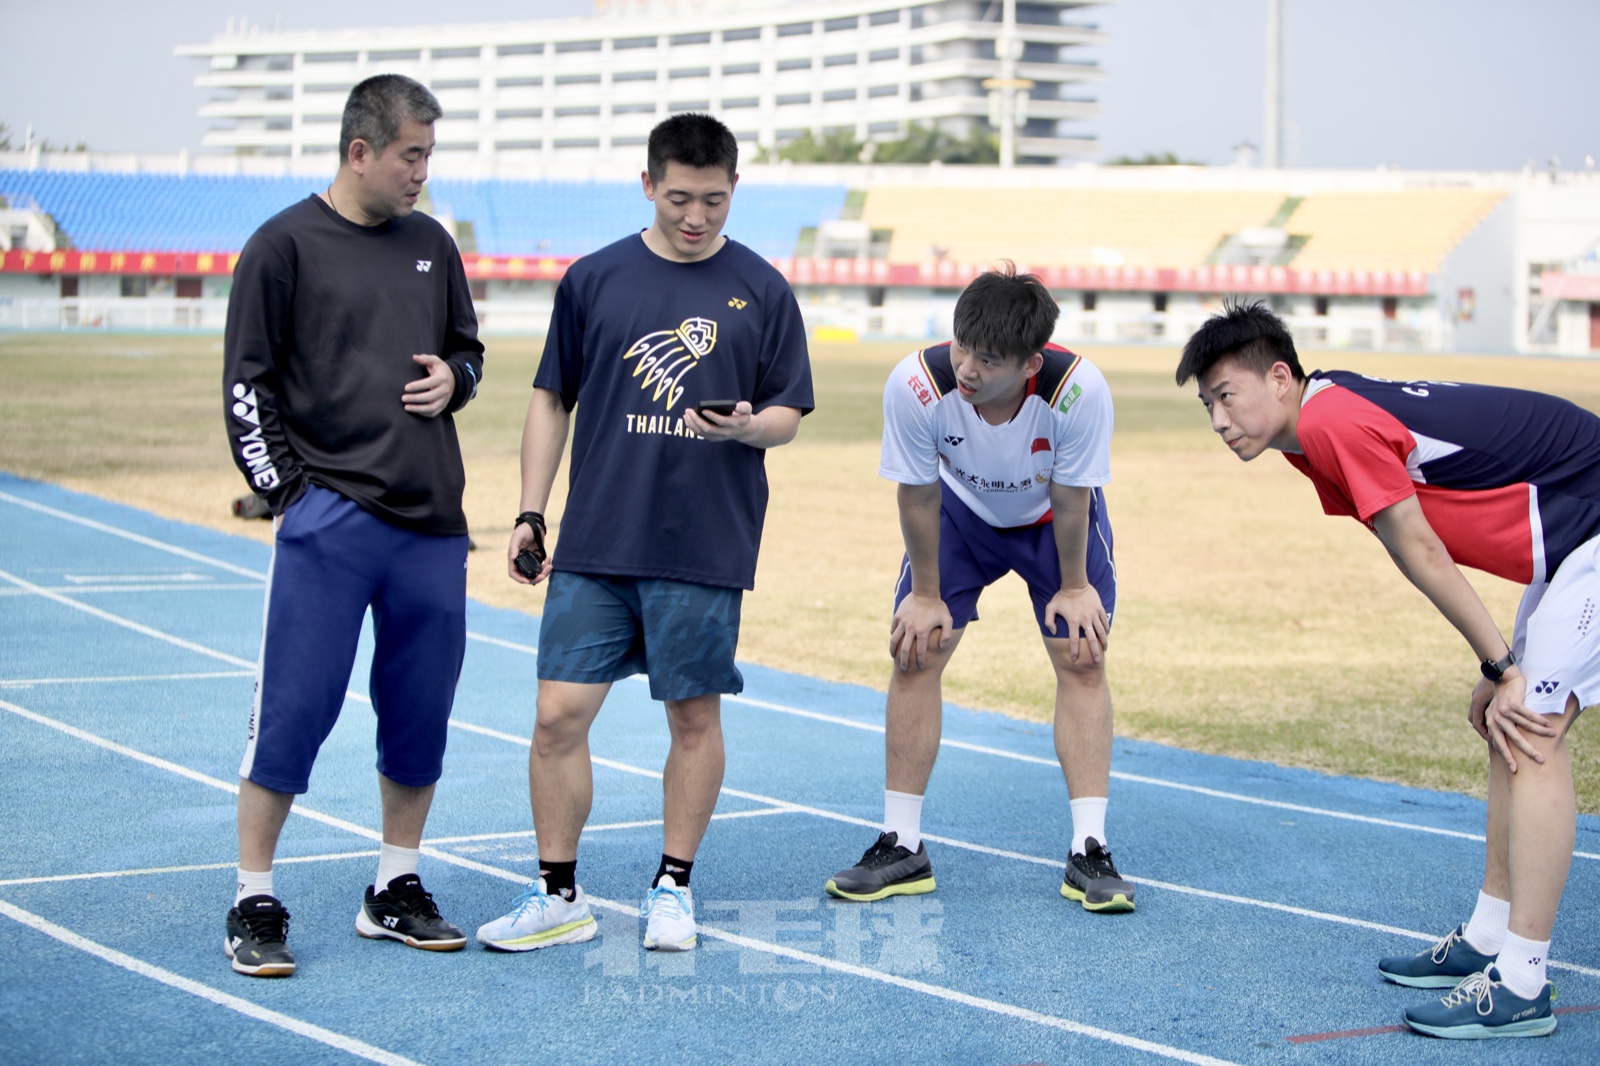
[
  {"x": 1092, "y": 880},
  {"x": 887, "y": 869},
  {"x": 257, "y": 929}
]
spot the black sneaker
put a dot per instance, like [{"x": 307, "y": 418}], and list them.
[
  {"x": 887, "y": 869},
  {"x": 257, "y": 928},
  {"x": 1093, "y": 879},
  {"x": 405, "y": 912}
]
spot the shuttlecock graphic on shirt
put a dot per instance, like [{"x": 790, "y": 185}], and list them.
[{"x": 666, "y": 355}]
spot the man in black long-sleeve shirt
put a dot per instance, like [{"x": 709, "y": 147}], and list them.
[{"x": 351, "y": 340}]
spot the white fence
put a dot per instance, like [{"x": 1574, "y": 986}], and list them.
[{"x": 506, "y": 317}]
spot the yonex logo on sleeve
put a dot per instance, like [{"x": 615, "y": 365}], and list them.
[
  {"x": 252, "y": 446},
  {"x": 424, "y": 265}
]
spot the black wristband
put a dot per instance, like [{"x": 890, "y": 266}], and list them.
[{"x": 531, "y": 518}]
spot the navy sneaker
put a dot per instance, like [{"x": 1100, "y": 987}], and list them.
[
  {"x": 1480, "y": 1007},
  {"x": 1092, "y": 879},
  {"x": 405, "y": 911},
  {"x": 887, "y": 869},
  {"x": 257, "y": 929},
  {"x": 1441, "y": 966}
]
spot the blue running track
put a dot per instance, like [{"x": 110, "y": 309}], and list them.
[{"x": 127, "y": 645}]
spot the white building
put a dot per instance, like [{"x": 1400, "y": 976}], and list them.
[{"x": 575, "y": 90}]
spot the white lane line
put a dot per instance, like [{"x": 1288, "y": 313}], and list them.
[
  {"x": 193, "y": 868},
  {"x": 87, "y": 589},
  {"x": 355, "y": 1047},
  {"x": 29, "y": 682},
  {"x": 832, "y": 719},
  {"x": 126, "y": 623},
  {"x": 134, "y": 579},
  {"x": 101, "y": 527},
  {"x": 938, "y": 991},
  {"x": 497, "y": 642},
  {"x": 645, "y": 823}
]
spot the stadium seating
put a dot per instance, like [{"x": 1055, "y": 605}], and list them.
[
  {"x": 1063, "y": 227},
  {"x": 208, "y": 213},
  {"x": 1407, "y": 230}
]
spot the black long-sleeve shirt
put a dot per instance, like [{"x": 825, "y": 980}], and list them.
[{"x": 323, "y": 320}]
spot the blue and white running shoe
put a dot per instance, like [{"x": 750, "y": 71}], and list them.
[{"x": 540, "y": 920}]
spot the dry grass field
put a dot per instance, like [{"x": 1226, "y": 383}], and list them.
[{"x": 1248, "y": 624}]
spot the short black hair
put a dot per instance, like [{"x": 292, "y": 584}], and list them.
[
  {"x": 376, "y": 108},
  {"x": 1248, "y": 332},
  {"x": 694, "y": 140},
  {"x": 1005, "y": 313}
]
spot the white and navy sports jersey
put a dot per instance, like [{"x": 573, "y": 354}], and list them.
[{"x": 1062, "y": 433}]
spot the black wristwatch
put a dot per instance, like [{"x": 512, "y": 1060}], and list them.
[{"x": 1494, "y": 671}]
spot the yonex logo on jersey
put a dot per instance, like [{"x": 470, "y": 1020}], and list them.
[
  {"x": 1070, "y": 398},
  {"x": 1546, "y": 688},
  {"x": 245, "y": 408},
  {"x": 252, "y": 447},
  {"x": 953, "y": 441},
  {"x": 424, "y": 265},
  {"x": 737, "y": 304}
]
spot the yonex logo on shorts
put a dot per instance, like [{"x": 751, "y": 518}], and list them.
[{"x": 1546, "y": 688}]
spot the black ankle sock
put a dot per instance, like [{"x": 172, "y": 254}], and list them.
[
  {"x": 678, "y": 868},
  {"x": 560, "y": 878}
]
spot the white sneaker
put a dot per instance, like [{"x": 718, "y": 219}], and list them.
[
  {"x": 540, "y": 920},
  {"x": 669, "y": 917}
]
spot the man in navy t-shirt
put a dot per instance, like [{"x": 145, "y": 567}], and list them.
[{"x": 663, "y": 516}]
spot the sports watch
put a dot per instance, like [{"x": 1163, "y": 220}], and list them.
[{"x": 1494, "y": 671}]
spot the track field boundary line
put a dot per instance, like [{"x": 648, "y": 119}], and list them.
[
  {"x": 309, "y": 1030},
  {"x": 937, "y": 991},
  {"x": 815, "y": 715}
]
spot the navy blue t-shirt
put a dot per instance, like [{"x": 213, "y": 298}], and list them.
[{"x": 636, "y": 340}]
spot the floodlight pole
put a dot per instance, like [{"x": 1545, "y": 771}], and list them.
[
  {"x": 1272, "y": 90},
  {"x": 1003, "y": 110}
]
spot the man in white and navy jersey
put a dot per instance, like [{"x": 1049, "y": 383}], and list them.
[
  {"x": 351, "y": 340},
  {"x": 1000, "y": 443}
]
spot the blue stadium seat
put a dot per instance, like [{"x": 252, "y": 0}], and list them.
[{"x": 217, "y": 213}]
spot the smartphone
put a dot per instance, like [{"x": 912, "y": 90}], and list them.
[{"x": 716, "y": 407}]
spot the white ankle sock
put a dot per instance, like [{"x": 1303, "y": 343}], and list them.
[
  {"x": 1088, "y": 820},
  {"x": 252, "y": 883},
  {"x": 1486, "y": 929},
  {"x": 1522, "y": 964},
  {"x": 902, "y": 815},
  {"x": 392, "y": 862}
]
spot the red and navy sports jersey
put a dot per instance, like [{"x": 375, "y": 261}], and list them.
[{"x": 1509, "y": 479}]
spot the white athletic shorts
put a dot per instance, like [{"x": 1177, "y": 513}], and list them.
[{"x": 1557, "y": 638}]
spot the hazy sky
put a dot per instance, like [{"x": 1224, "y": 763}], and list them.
[{"x": 1421, "y": 84}]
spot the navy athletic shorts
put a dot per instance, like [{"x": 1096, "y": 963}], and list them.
[
  {"x": 596, "y": 630},
  {"x": 330, "y": 563},
  {"x": 974, "y": 555}
]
